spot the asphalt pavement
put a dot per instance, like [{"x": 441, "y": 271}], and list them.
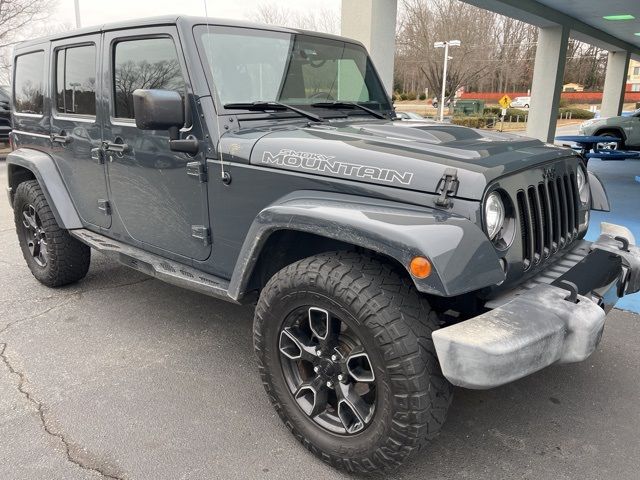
[{"x": 122, "y": 376}]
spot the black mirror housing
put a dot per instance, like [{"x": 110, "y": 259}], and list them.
[{"x": 158, "y": 109}]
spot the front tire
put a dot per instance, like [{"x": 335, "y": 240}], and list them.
[
  {"x": 620, "y": 145},
  {"x": 345, "y": 354},
  {"x": 54, "y": 257}
]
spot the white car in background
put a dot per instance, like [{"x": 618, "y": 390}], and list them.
[
  {"x": 624, "y": 127},
  {"x": 520, "y": 102}
]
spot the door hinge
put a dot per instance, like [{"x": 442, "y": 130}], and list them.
[
  {"x": 104, "y": 206},
  {"x": 97, "y": 154},
  {"x": 447, "y": 187},
  {"x": 197, "y": 169},
  {"x": 202, "y": 233}
]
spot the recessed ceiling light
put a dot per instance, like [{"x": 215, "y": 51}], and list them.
[
  {"x": 625, "y": 16},
  {"x": 638, "y": 34}
]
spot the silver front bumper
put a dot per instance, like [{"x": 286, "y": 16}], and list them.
[{"x": 538, "y": 327}]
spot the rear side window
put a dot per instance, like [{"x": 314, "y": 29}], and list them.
[
  {"x": 29, "y": 83},
  {"x": 146, "y": 63},
  {"x": 76, "y": 80}
]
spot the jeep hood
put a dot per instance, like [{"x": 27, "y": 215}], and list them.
[{"x": 410, "y": 155}]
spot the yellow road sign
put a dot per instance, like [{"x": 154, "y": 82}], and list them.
[{"x": 505, "y": 101}]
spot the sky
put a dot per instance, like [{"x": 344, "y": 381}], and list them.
[{"x": 95, "y": 12}]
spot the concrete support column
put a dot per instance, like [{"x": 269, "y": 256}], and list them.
[
  {"x": 373, "y": 22},
  {"x": 615, "y": 81},
  {"x": 548, "y": 73}
]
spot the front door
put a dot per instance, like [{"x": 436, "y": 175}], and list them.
[
  {"x": 158, "y": 202},
  {"x": 76, "y": 132}
]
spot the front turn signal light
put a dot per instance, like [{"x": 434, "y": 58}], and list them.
[{"x": 420, "y": 267}]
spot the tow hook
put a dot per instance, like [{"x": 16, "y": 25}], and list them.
[
  {"x": 625, "y": 243},
  {"x": 572, "y": 288}
]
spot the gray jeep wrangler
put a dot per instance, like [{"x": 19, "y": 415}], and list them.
[{"x": 389, "y": 259}]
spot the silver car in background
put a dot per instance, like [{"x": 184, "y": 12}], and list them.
[{"x": 624, "y": 127}]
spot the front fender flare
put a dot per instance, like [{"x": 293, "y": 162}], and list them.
[
  {"x": 599, "y": 197},
  {"x": 462, "y": 257},
  {"x": 44, "y": 169}
]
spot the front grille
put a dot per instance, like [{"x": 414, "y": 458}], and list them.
[{"x": 548, "y": 215}]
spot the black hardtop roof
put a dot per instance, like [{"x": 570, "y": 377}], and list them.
[{"x": 171, "y": 20}]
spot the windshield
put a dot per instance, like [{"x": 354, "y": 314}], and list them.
[{"x": 249, "y": 65}]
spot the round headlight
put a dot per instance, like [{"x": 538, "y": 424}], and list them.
[
  {"x": 494, "y": 214},
  {"x": 583, "y": 187},
  {"x": 580, "y": 179}
]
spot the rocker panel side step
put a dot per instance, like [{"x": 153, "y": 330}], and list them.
[{"x": 163, "y": 269}]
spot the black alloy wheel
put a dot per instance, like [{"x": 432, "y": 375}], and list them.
[
  {"x": 327, "y": 370},
  {"x": 35, "y": 235}
]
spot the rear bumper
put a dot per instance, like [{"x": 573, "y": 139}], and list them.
[{"x": 561, "y": 322}]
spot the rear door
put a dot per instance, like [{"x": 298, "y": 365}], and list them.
[
  {"x": 157, "y": 198},
  {"x": 76, "y": 132}
]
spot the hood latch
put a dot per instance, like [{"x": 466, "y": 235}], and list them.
[{"x": 447, "y": 187}]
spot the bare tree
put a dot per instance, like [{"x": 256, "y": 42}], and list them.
[
  {"x": 425, "y": 22},
  {"x": 325, "y": 21},
  {"x": 129, "y": 76},
  {"x": 586, "y": 65},
  {"x": 19, "y": 20},
  {"x": 497, "y": 53}
]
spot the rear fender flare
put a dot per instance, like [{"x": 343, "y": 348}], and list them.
[
  {"x": 46, "y": 173},
  {"x": 463, "y": 259}
]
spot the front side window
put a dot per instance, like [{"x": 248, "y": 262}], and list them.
[
  {"x": 150, "y": 63},
  {"x": 76, "y": 80},
  {"x": 29, "y": 83},
  {"x": 291, "y": 68}
]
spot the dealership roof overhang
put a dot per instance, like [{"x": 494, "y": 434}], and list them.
[{"x": 585, "y": 18}]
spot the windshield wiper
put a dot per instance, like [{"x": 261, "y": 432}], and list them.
[
  {"x": 341, "y": 104},
  {"x": 262, "y": 106}
]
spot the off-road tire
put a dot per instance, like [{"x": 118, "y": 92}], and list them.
[
  {"x": 395, "y": 323},
  {"x": 68, "y": 259}
]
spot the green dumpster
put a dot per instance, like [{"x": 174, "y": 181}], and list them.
[{"x": 469, "y": 107}]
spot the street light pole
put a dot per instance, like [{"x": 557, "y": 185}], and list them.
[
  {"x": 445, "y": 45},
  {"x": 77, "y": 9}
]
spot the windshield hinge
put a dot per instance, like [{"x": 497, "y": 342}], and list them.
[
  {"x": 447, "y": 187},
  {"x": 197, "y": 169},
  {"x": 201, "y": 233}
]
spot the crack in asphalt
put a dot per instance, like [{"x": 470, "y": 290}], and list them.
[
  {"x": 68, "y": 446},
  {"x": 33, "y": 317},
  {"x": 71, "y": 450}
]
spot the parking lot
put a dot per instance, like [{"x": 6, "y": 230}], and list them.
[{"x": 122, "y": 376}]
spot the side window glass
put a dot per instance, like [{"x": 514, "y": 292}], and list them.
[
  {"x": 76, "y": 80},
  {"x": 150, "y": 63},
  {"x": 29, "y": 83}
]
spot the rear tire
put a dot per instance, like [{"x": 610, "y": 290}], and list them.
[
  {"x": 381, "y": 314},
  {"x": 54, "y": 257}
]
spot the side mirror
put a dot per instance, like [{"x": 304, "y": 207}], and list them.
[
  {"x": 163, "y": 110},
  {"x": 158, "y": 109}
]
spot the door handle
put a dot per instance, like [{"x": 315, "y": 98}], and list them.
[
  {"x": 62, "y": 138},
  {"x": 116, "y": 147}
]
